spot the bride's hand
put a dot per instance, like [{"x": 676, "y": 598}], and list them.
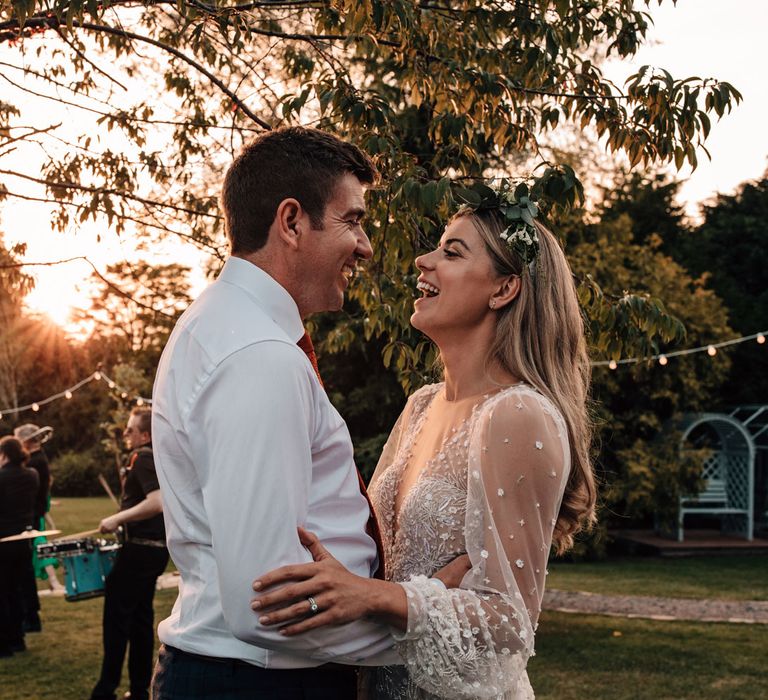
[
  {"x": 340, "y": 596},
  {"x": 452, "y": 574}
]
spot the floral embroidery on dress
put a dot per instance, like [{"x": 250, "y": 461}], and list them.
[{"x": 490, "y": 477}]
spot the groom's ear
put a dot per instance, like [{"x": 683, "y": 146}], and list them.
[
  {"x": 289, "y": 222},
  {"x": 507, "y": 292}
]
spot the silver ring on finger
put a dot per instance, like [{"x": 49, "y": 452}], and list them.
[{"x": 314, "y": 608}]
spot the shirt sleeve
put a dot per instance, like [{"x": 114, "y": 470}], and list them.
[
  {"x": 475, "y": 641},
  {"x": 257, "y": 449},
  {"x": 144, "y": 470}
]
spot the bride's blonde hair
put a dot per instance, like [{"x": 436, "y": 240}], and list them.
[{"x": 540, "y": 339}]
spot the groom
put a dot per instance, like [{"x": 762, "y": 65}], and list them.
[{"x": 247, "y": 444}]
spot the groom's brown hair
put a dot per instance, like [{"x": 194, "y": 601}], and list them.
[{"x": 295, "y": 162}]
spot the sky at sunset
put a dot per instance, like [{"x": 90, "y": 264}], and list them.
[{"x": 708, "y": 38}]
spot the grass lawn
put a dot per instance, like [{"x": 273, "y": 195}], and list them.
[
  {"x": 80, "y": 514},
  {"x": 63, "y": 662},
  {"x": 737, "y": 577},
  {"x": 578, "y": 657}
]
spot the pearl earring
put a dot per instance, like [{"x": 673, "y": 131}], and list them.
[{"x": 492, "y": 303}]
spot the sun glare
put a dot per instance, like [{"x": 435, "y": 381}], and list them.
[{"x": 58, "y": 305}]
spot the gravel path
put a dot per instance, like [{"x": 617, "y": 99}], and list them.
[{"x": 653, "y": 608}]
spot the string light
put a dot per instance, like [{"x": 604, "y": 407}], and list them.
[
  {"x": 67, "y": 394},
  {"x": 711, "y": 349},
  {"x": 663, "y": 359}
]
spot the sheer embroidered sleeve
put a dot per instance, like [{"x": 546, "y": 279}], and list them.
[{"x": 475, "y": 641}]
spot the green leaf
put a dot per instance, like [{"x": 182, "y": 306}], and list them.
[{"x": 467, "y": 196}]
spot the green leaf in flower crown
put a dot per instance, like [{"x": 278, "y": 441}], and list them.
[
  {"x": 533, "y": 208},
  {"x": 526, "y": 216},
  {"x": 521, "y": 191},
  {"x": 485, "y": 192},
  {"x": 514, "y": 213},
  {"x": 467, "y": 196}
]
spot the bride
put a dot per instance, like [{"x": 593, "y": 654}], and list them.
[{"x": 483, "y": 473}]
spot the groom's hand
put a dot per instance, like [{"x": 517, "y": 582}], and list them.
[{"x": 452, "y": 574}]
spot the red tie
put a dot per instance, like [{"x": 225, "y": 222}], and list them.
[
  {"x": 372, "y": 527},
  {"x": 305, "y": 343}
]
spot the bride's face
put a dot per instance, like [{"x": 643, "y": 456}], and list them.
[{"x": 456, "y": 283}]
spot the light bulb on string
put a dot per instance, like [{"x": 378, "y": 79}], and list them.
[
  {"x": 760, "y": 338},
  {"x": 67, "y": 394},
  {"x": 124, "y": 395},
  {"x": 35, "y": 407},
  {"x": 612, "y": 364},
  {"x": 97, "y": 375},
  {"x": 711, "y": 350},
  {"x": 663, "y": 360},
  {"x": 111, "y": 384},
  {"x": 139, "y": 402}
]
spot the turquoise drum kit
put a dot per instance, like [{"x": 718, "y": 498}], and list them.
[{"x": 87, "y": 561}]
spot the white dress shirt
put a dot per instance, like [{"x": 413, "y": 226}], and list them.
[{"x": 247, "y": 447}]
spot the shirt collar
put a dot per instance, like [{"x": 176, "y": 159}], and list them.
[{"x": 271, "y": 296}]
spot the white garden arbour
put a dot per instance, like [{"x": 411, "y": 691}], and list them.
[{"x": 728, "y": 471}]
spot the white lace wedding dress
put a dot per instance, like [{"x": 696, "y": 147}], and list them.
[{"x": 483, "y": 475}]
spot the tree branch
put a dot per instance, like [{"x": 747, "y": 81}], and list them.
[
  {"x": 201, "y": 245},
  {"x": 106, "y": 190},
  {"x": 12, "y": 31},
  {"x": 120, "y": 116},
  {"x": 34, "y": 131},
  {"x": 97, "y": 272},
  {"x": 88, "y": 60}
]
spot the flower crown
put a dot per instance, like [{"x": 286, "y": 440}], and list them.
[{"x": 517, "y": 211}]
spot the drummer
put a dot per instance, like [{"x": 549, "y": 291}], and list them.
[
  {"x": 18, "y": 488},
  {"x": 130, "y": 587}
]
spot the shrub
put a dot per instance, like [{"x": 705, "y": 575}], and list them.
[{"x": 77, "y": 474}]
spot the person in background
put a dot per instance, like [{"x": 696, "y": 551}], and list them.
[
  {"x": 18, "y": 487},
  {"x": 128, "y": 620},
  {"x": 32, "y": 438}
]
